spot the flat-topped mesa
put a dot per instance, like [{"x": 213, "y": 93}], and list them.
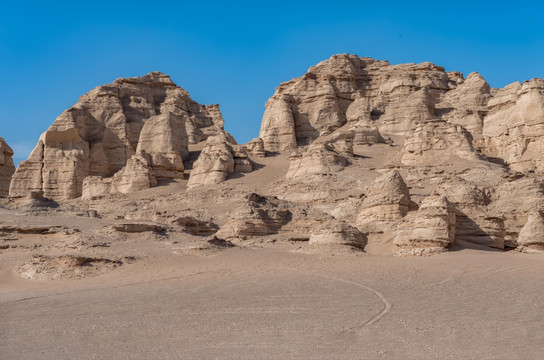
[
  {"x": 6, "y": 167},
  {"x": 148, "y": 115},
  {"x": 316, "y": 104}
]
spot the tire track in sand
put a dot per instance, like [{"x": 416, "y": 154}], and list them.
[{"x": 386, "y": 304}]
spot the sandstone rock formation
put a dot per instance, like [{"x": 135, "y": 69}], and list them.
[
  {"x": 332, "y": 147},
  {"x": 475, "y": 221},
  {"x": 101, "y": 132},
  {"x": 135, "y": 176},
  {"x": 163, "y": 141},
  {"x": 337, "y": 233},
  {"x": 256, "y": 148},
  {"x": 374, "y": 98},
  {"x": 531, "y": 235},
  {"x": 316, "y": 159},
  {"x": 387, "y": 202},
  {"x": 431, "y": 229},
  {"x": 317, "y": 103},
  {"x": 259, "y": 215},
  {"x": 437, "y": 142},
  {"x": 6, "y": 167},
  {"x": 466, "y": 105},
  {"x": 513, "y": 201},
  {"x": 219, "y": 158},
  {"x": 513, "y": 130}
]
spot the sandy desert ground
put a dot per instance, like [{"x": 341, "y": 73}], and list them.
[{"x": 283, "y": 304}]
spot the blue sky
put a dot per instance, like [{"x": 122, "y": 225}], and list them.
[{"x": 236, "y": 53}]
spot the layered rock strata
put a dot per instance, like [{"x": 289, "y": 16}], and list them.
[
  {"x": 337, "y": 233},
  {"x": 475, "y": 221},
  {"x": 513, "y": 130},
  {"x": 107, "y": 126},
  {"x": 316, "y": 159},
  {"x": 218, "y": 159},
  {"x": 135, "y": 176},
  {"x": 431, "y": 229},
  {"x": 376, "y": 100},
  {"x": 266, "y": 215},
  {"x": 6, "y": 167},
  {"x": 531, "y": 235},
  {"x": 387, "y": 201},
  {"x": 373, "y": 96}
]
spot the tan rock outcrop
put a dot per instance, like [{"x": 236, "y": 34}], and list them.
[
  {"x": 347, "y": 123},
  {"x": 438, "y": 143},
  {"x": 387, "y": 201},
  {"x": 531, "y": 235},
  {"x": 135, "y": 176},
  {"x": 267, "y": 215},
  {"x": 466, "y": 105},
  {"x": 513, "y": 201},
  {"x": 373, "y": 98},
  {"x": 337, "y": 233},
  {"x": 475, "y": 222},
  {"x": 256, "y": 148},
  {"x": 163, "y": 141},
  {"x": 316, "y": 159},
  {"x": 431, "y": 230},
  {"x": 95, "y": 187},
  {"x": 359, "y": 118},
  {"x": 514, "y": 128},
  {"x": 6, "y": 167},
  {"x": 218, "y": 159},
  {"x": 317, "y": 103},
  {"x": 98, "y": 135},
  {"x": 258, "y": 216}
]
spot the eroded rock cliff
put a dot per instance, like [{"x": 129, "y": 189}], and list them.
[
  {"x": 6, "y": 167},
  {"x": 97, "y": 136}
]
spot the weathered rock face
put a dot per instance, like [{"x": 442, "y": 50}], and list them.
[
  {"x": 514, "y": 128},
  {"x": 359, "y": 118},
  {"x": 531, "y": 235},
  {"x": 319, "y": 158},
  {"x": 475, "y": 221},
  {"x": 6, "y": 167},
  {"x": 260, "y": 215},
  {"x": 338, "y": 90},
  {"x": 218, "y": 159},
  {"x": 95, "y": 187},
  {"x": 108, "y": 125},
  {"x": 337, "y": 233},
  {"x": 256, "y": 148},
  {"x": 387, "y": 202},
  {"x": 346, "y": 124},
  {"x": 373, "y": 98},
  {"x": 135, "y": 176},
  {"x": 513, "y": 201},
  {"x": 431, "y": 229},
  {"x": 466, "y": 105},
  {"x": 437, "y": 142},
  {"x": 163, "y": 141},
  {"x": 267, "y": 215}
]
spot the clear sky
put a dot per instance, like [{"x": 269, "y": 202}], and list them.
[{"x": 236, "y": 53}]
